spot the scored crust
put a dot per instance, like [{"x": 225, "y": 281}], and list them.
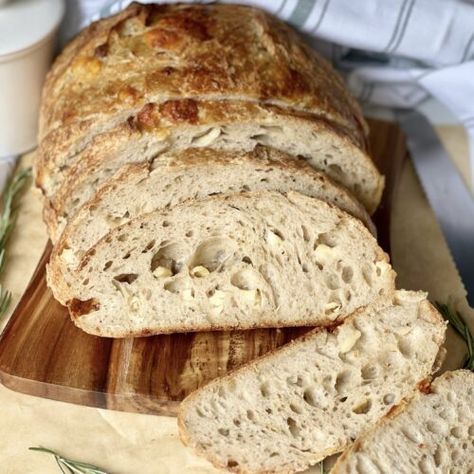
[{"x": 148, "y": 52}]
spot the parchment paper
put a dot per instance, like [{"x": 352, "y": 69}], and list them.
[{"x": 125, "y": 443}]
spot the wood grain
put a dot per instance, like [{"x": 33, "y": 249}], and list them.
[{"x": 42, "y": 353}]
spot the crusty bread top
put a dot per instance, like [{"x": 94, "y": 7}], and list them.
[{"x": 160, "y": 52}]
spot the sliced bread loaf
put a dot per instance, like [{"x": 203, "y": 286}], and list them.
[
  {"x": 314, "y": 396},
  {"x": 433, "y": 433},
  {"x": 194, "y": 173},
  {"x": 233, "y": 261},
  {"x": 228, "y": 127}
]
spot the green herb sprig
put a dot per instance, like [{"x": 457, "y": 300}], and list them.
[
  {"x": 7, "y": 222},
  {"x": 457, "y": 322},
  {"x": 70, "y": 466}
]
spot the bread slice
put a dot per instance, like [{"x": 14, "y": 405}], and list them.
[
  {"x": 432, "y": 433},
  {"x": 69, "y": 183},
  {"x": 194, "y": 173},
  {"x": 232, "y": 261},
  {"x": 314, "y": 396}
]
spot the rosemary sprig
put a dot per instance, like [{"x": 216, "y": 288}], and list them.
[
  {"x": 457, "y": 322},
  {"x": 70, "y": 466},
  {"x": 7, "y": 222}
]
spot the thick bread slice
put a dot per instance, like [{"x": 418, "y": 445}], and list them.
[
  {"x": 195, "y": 173},
  {"x": 232, "y": 127},
  {"x": 153, "y": 53},
  {"x": 314, "y": 396},
  {"x": 433, "y": 433},
  {"x": 237, "y": 261}
]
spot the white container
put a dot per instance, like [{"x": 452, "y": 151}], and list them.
[{"x": 28, "y": 31}]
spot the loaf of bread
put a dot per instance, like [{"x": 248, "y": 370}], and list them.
[
  {"x": 194, "y": 173},
  {"x": 433, "y": 433},
  {"x": 155, "y": 78},
  {"x": 314, "y": 396},
  {"x": 233, "y": 261}
]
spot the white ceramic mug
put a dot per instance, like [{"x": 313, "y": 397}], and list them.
[
  {"x": 21, "y": 79},
  {"x": 28, "y": 29}
]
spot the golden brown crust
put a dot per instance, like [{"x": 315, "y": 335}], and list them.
[{"x": 190, "y": 50}]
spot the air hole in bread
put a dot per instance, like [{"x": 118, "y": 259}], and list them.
[
  {"x": 236, "y": 422},
  {"x": 213, "y": 253},
  {"x": 305, "y": 232},
  {"x": 327, "y": 238},
  {"x": 274, "y": 237},
  {"x": 293, "y": 427},
  {"x": 332, "y": 282},
  {"x": 250, "y": 415},
  {"x": 310, "y": 397},
  {"x": 264, "y": 180},
  {"x": 406, "y": 347},
  {"x": 107, "y": 265},
  {"x": 177, "y": 287},
  {"x": 168, "y": 260},
  {"x": 126, "y": 256},
  {"x": 122, "y": 237},
  {"x": 223, "y": 431},
  {"x": 305, "y": 268},
  {"x": 295, "y": 408},
  {"x": 166, "y": 224},
  {"x": 265, "y": 389},
  {"x": 335, "y": 171},
  {"x": 348, "y": 295},
  {"x": 85, "y": 282},
  {"x": 261, "y": 138},
  {"x": 231, "y": 463},
  {"x": 245, "y": 188},
  {"x": 367, "y": 274},
  {"x": 149, "y": 246},
  {"x": 189, "y": 233},
  {"x": 126, "y": 278},
  {"x": 247, "y": 260},
  {"x": 245, "y": 280},
  {"x": 389, "y": 399},
  {"x": 344, "y": 381},
  {"x": 439, "y": 427},
  {"x": 363, "y": 407},
  {"x": 347, "y": 274}
]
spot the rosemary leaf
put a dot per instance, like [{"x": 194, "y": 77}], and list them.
[
  {"x": 457, "y": 322},
  {"x": 7, "y": 222},
  {"x": 70, "y": 466}
]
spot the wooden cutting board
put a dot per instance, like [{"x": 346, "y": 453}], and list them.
[{"x": 42, "y": 353}]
